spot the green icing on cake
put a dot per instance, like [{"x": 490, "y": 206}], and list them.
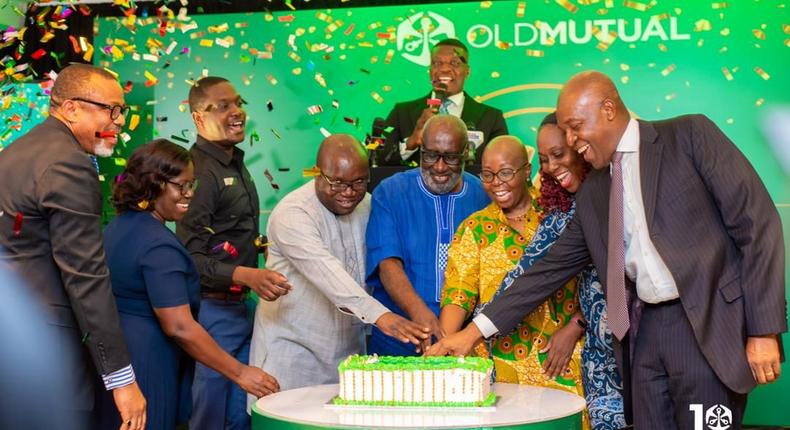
[
  {"x": 489, "y": 401},
  {"x": 387, "y": 363}
]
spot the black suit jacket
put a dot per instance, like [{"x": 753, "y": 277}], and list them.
[
  {"x": 714, "y": 225},
  {"x": 50, "y": 180},
  {"x": 403, "y": 118}
]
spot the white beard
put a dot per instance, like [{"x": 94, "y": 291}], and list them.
[{"x": 102, "y": 149}]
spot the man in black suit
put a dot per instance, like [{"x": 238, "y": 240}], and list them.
[
  {"x": 700, "y": 245},
  {"x": 448, "y": 72},
  {"x": 50, "y": 226}
]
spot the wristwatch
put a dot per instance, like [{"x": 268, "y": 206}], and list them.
[{"x": 582, "y": 323}]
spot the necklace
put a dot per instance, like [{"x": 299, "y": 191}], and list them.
[{"x": 518, "y": 218}]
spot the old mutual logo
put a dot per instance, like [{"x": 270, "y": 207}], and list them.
[{"x": 419, "y": 32}]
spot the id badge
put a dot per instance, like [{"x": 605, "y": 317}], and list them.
[{"x": 475, "y": 137}]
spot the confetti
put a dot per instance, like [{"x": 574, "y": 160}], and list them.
[
  {"x": 727, "y": 73},
  {"x": 669, "y": 69},
  {"x": 720, "y": 5},
  {"x": 18, "y": 224},
  {"x": 286, "y": 18},
  {"x": 377, "y": 97},
  {"x": 254, "y": 137},
  {"x": 759, "y": 34},
  {"x": 486, "y": 4},
  {"x": 762, "y": 73},
  {"x": 209, "y": 229},
  {"x": 276, "y": 134},
  {"x": 270, "y": 178},
  {"x": 227, "y": 247},
  {"x": 270, "y": 105},
  {"x": 702, "y": 25},
  {"x": 85, "y": 337},
  {"x": 311, "y": 172},
  {"x": 759, "y": 102},
  {"x": 535, "y": 53},
  {"x": 520, "y": 9},
  {"x": 325, "y": 132},
  {"x": 495, "y": 75},
  {"x": 335, "y": 104},
  {"x": 272, "y": 80},
  {"x": 314, "y": 109},
  {"x": 567, "y": 5}
]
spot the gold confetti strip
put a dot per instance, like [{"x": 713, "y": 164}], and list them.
[
  {"x": 296, "y": 71},
  {"x": 669, "y": 69},
  {"x": 208, "y": 43},
  {"x": 323, "y": 17},
  {"x": 702, "y": 25},
  {"x": 730, "y": 120},
  {"x": 294, "y": 56},
  {"x": 762, "y": 73},
  {"x": 786, "y": 28},
  {"x": 670, "y": 96},
  {"x": 625, "y": 67},
  {"x": 486, "y": 4},
  {"x": 700, "y": 43},
  {"x": 727, "y": 73},
  {"x": 759, "y": 34},
  {"x": 725, "y": 31},
  {"x": 609, "y": 4},
  {"x": 662, "y": 47},
  {"x": 272, "y": 80},
  {"x": 503, "y": 45},
  {"x": 365, "y": 44},
  {"x": 662, "y": 16},
  {"x": 787, "y": 43},
  {"x": 386, "y": 88},
  {"x": 377, "y": 97},
  {"x": 636, "y": 5},
  {"x": 495, "y": 75},
  {"x": 602, "y": 11},
  {"x": 588, "y": 2},
  {"x": 720, "y": 5},
  {"x": 568, "y": 5},
  {"x": 535, "y": 53},
  {"x": 374, "y": 25},
  {"x": 388, "y": 57},
  {"x": 374, "y": 59},
  {"x": 723, "y": 49},
  {"x": 759, "y": 102},
  {"x": 522, "y": 6},
  {"x": 624, "y": 79},
  {"x": 311, "y": 172}
]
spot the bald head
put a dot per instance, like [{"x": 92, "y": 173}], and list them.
[
  {"x": 340, "y": 148},
  {"x": 592, "y": 115},
  {"x": 78, "y": 81},
  {"x": 343, "y": 162},
  {"x": 445, "y": 125},
  {"x": 508, "y": 147}
]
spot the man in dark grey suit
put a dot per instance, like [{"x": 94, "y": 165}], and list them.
[
  {"x": 700, "y": 245},
  {"x": 50, "y": 227},
  {"x": 448, "y": 71}
]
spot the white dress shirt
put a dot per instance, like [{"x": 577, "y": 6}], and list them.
[
  {"x": 643, "y": 264},
  {"x": 454, "y": 108}
]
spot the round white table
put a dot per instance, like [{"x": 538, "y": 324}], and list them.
[{"x": 517, "y": 407}]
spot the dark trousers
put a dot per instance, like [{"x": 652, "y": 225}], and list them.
[{"x": 671, "y": 378}]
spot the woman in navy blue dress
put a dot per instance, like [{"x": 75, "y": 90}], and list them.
[{"x": 157, "y": 289}]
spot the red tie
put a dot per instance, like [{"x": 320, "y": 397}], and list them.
[{"x": 617, "y": 308}]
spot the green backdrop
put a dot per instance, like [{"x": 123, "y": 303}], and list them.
[{"x": 728, "y": 60}]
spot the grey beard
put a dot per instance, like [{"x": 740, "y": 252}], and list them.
[{"x": 440, "y": 188}]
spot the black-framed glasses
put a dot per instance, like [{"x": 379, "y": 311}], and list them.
[
  {"x": 504, "y": 175},
  {"x": 340, "y": 186},
  {"x": 450, "y": 158},
  {"x": 115, "y": 110},
  {"x": 186, "y": 187}
]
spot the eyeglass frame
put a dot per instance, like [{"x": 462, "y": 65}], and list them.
[
  {"x": 496, "y": 174},
  {"x": 461, "y": 157},
  {"x": 181, "y": 186},
  {"x": 122, "y": 109},
  {"x": 346, "y": 185}
]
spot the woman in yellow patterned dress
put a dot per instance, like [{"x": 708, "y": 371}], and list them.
[{"x": 545, "y": 348}]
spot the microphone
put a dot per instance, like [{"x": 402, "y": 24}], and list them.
[
  {"x": 440, "y": 95},
  {"x": 375, "y": 139}
]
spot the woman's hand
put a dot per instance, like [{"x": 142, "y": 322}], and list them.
[{"x": 560, "y": 348}]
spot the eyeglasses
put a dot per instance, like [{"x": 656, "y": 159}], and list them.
[
  {"x": 186, "y": 187},
  {"x": 115, "y": 110},
  {"x": 432, "y": 157},
  {"x": 341, "y": 187},
  {"x": 504, "y": 175},
  {"x": 455, "y": 63}
]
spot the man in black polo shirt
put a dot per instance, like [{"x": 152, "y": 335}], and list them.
[{"x": 220, "y": 231}]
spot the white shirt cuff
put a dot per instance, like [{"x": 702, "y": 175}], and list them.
[
  {"x": 486, "y": 327},
  {"x": 120, "y": 378},
  {"x": 406, "y": 153}
]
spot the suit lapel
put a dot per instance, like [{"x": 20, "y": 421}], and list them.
[
  {"x": 649, "y": 167},
  {"x": 601, "y": 181},
  {"x": 471, "y": 113}
]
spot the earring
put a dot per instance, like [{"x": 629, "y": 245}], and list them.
[{"x": 143, "y": 204}]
